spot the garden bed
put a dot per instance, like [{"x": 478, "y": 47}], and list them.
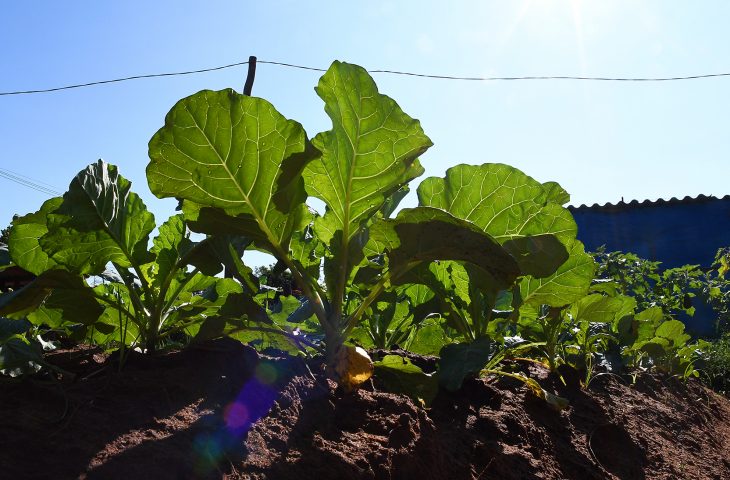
[{"x": 195, "y": 414}]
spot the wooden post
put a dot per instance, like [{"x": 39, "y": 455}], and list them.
[{"x": 250, "y": 76}]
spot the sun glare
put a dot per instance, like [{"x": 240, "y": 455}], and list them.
[{"x": 538, "y": 16}]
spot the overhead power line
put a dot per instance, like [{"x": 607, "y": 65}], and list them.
[
  {"x": 390, "y": 72},
  {"x": 124, "y": 79},
  {"x": 29, "y": 182}
]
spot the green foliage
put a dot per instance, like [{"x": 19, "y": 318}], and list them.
[
  {"x": 654, "y": 338},
  {"x": 276, "y": 278},
  {"x": 400, "y": 375},
  {"x": 20, "y": 352},
  {"x": 610, "y": 331},
  {"x": 5, "y": 232},
  {"x": 660, "y": 343},
  {"x": 243, "y": 169},
  {"x": 674, "y": 290},
  {"x": 459, "y": 360},
  {"x": 148, "y": 295},
  {"x": 485, "y": 268},
  {"x": 717, "y": 364},
  {"x": 716, "y": 288}
]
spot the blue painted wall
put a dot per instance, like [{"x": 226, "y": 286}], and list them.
[{"x": 674, "y": 232}]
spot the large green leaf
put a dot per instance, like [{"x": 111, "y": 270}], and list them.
[
  {"x": 515, "y": 209},
  {"x": 673, "y": 330},
  {"x": 99, "y": 221},
  {"x": 603, "y": 309},
  {"x": 428, "y": 339},
  {"x": 568, "y": 284},
  {"x": 370, "y": 153},
  {"x": 66, "y": 295},
  {"x": 400, "y": 375},
  {"x": 235, "y": 153},
  {"x": 424, "y": 234},
  {"x": 25, "y": 249},
  {"x": 460, "y": 360},
  {"x": 71, "y": 303}
]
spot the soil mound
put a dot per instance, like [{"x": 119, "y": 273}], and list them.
[{"x": 220, "y": 410}]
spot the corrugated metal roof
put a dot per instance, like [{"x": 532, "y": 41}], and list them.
[{"x": 649, "y": 203}]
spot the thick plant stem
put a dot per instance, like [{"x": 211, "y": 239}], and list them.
[
  {"x": 333, "y": 343},
  {"x": 152, "y": 332}
]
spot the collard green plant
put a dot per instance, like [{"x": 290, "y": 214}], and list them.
[
  {"x": 527, "y": 219},
  {"x": 577, "y": 334},
  {"x": 486, "y": 267},
  {"x": 148, "y": 294},
  {"x": 241, "y": 168}
]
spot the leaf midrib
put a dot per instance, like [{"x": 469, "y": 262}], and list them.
[{"x": 259, "y": 219}]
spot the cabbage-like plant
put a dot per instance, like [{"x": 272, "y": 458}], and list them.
[
  {"x": 242, "y": 168},
  {"x": 98, "y": 277}
]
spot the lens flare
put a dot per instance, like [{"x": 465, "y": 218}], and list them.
[
  {"x": 255, "y": 399},
  {"x": 236, "y": 416},
  {"x": 253, "y": 402}
]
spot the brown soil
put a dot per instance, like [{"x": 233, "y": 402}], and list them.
[{"x": 221, "y": 411}]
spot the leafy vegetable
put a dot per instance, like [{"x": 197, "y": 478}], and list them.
[
  {"x": 101, "y": 222},
  {"x": 243, "y": 169},
  {"x": 485, "y": 268}
]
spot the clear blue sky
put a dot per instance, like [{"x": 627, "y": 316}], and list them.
[{"x": 602, "y": 141}]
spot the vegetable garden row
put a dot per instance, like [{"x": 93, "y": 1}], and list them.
[{"x": 486, "y": 267}]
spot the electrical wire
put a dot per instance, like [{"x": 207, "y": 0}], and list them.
[
  {"x": 28, "y": 182},
  {"x": 600, "y": 79},
  {"x": 49, "y": 190},
  {"x": 40, "y": 182},
  {"x": 124, "y": 79},
  {"x": 390, "y": 72}
]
